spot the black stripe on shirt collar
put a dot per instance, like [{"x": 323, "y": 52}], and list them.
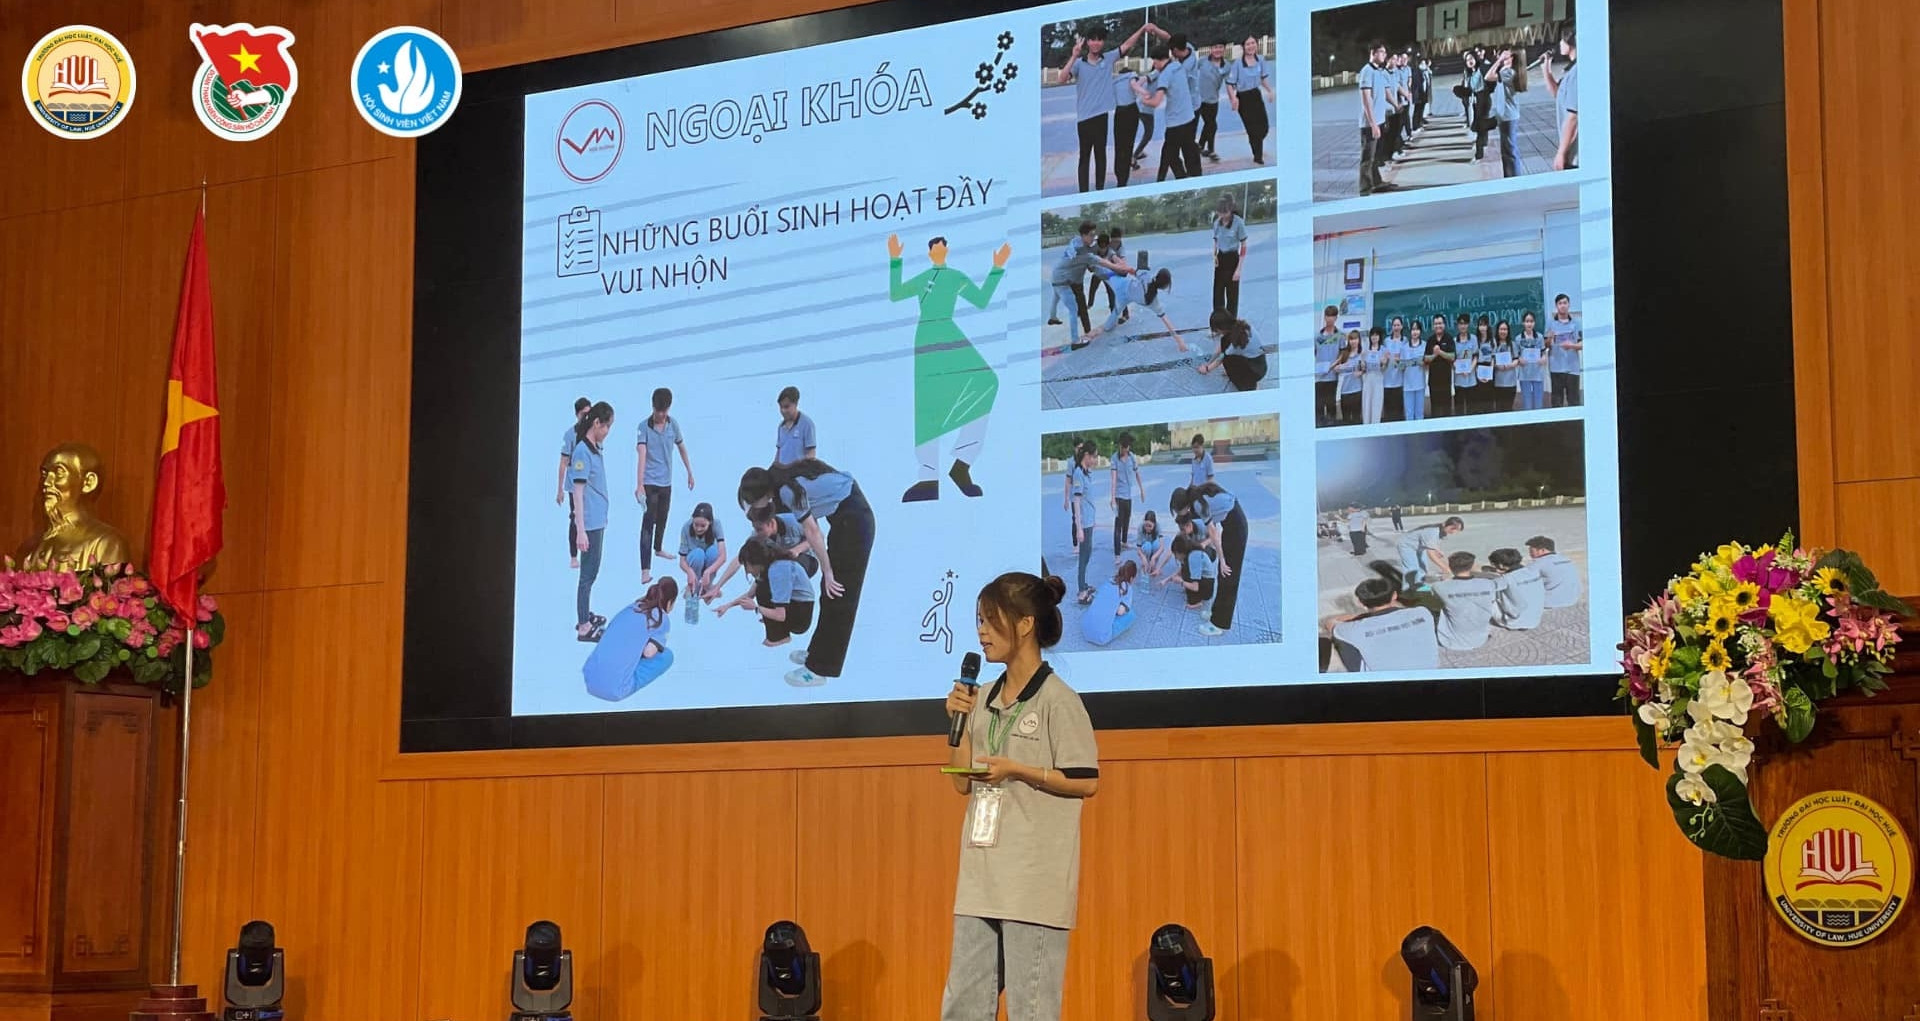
[{"x": 1026, "y": 693}]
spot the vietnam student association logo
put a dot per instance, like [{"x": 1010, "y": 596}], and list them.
[
  {"x": 78, "y": 82},
  {"x": 406, "y": 81},
  {"x": 246, "y": 79}
]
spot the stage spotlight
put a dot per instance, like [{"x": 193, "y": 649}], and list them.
[
  {"x": 1443, "y": 979},
  {"x": 542, "y": 985},
  {"x": 789, "y": 975},
  {"x": 1179, "y": 977},
  {"x": 256, "y": 976}
]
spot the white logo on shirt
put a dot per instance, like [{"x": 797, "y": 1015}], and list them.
[{"x": 1029, "y": 724}]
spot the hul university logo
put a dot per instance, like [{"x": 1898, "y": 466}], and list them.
[{"x": 590, "y": 140}]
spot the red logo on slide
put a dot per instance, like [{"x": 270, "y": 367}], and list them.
[{"x": 590, "y": 141}]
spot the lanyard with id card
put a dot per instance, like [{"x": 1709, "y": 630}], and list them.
[{"x": 989, "y": 800}]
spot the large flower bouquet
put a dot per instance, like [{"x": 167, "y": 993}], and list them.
[
  {"x": 93, "y": 622},
  {"x": 1749, "y": 635}
]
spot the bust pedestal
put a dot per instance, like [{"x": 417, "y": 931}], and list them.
[{"x": 84, "y": 808}]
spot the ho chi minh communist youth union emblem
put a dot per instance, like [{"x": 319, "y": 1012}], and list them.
[
  {"x": 246, "y": 79},
  {"x": 78, "y": 82},
  {"x": 1839, "y": 868}
]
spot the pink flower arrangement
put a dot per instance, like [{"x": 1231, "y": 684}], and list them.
[
  {"x": 94, "y": 622},
  {"x": 1746, "y": 637}
]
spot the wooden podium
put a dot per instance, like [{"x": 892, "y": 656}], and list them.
[
  {"x": 1758, "y": 969},
  {"x": 85, "y": 798}
]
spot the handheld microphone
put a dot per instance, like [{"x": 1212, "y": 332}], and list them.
[{"x": 969, "y": 676}]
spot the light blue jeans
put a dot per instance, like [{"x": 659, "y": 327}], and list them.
[
  {"x": 989, "y": 955},
  {"x": 1064, "y": 293},
  {"x": 1415, "y": 403},
  {"x": 1533, "y": 394},
  {"x": 702, "y": 557}
]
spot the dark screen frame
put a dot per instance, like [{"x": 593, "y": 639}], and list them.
[{"x": 1700, "y": 220}]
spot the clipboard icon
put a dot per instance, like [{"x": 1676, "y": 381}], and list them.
[{"x": 577, "y": 252}]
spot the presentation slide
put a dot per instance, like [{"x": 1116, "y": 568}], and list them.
[{"x": 1283, "y": 335}]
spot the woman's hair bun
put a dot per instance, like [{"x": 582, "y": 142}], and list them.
[{"x": 1056, "y": 587}]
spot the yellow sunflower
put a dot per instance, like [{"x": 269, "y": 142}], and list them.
[
  {"x": 1721, "y": 621},
  {"x": 1830, "y": 581},
  {"x": 1715, "y": 658},
  {"x": 1743, "y": 596},
  {"x": 1660, "y": 660}
]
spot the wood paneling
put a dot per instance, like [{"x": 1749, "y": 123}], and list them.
[
  {"x": 878, "y": 858},
  {"x": 1806, "y": 226},
  {"x": 29, "y": 765},
  {"x": 696, "y": 866},
  {"x": 1881, "y": 520},
  {"x": 1338, "y": 860},
  {"x": 1582, "y": 866},
  {"x": 500, "y": 855}
]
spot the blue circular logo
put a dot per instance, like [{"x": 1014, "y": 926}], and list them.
[{"x": 406, "y": 81}]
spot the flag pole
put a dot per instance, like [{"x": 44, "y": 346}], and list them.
[
  {"x": 180, "y": 842},
  {"x": 186, "y": 748}
]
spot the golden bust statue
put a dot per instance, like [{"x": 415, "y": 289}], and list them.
[{"x": 70, "y": 479}]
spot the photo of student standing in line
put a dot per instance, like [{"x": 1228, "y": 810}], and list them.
[
  {"x": 1090, "y": 68},
  {"x": 1564, "y": 344},
  {"x": 659, "y": 437},
  {"x": 793, "y": 438},
  {"x": 1393, "y": 406},
  {"x": 1126, "y": 125},
  {"x": 1483, "y": 364},
  {"x": 1327, "y": 345},
  {"x": 633, "y": 653},
  {"x": 781, "y": 595},
  {"x": 1373, "y": 376},
  {"x": 1530, "y": 349},
  {"x": 1346, "y": 369},
  {"x": 1241, "y": 355},
  {"x": 1413, "y": 375},
  {"x": 703, "y": 551},
  {"x": 1031, "y": 749},
  {"x": 1441, "y": 352},
  {"x": 1229, "y": 252},
  {"x": 1226, "y": 525},
  {"x": 953, "y": 387},
  {"x": 1466, "y": 368},
  {"x": 1250, "y": 90},
  {"x": 1126, "y": 486},
  {"x": 1208, "y": 73},
  {"x": 588, "y": 475},
  {"x": 1506, "y": 368},
  {"x": 569, "y": 440},
  {"x": 811, "y": 490},
  {"x": 1079, "y": 504},
  {"x": 1171, "y": 93}
]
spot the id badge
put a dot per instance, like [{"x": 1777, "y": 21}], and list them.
[{"x": 987, "y": 803}]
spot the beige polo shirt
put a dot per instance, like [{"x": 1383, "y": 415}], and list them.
[{"x": 1032, "y": 874}]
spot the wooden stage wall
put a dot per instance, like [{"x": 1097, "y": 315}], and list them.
[{"x": 1299, "y": 855}]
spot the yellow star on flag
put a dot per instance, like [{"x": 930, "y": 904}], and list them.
[
  {"x": 247, "y": 61},
  {"x": 181, "y": 410}
]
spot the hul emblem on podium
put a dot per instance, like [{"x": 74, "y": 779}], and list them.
[{"x": 1838, "y": 868}]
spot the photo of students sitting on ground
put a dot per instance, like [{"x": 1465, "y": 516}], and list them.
[
  {"x": 1454, "y": 550},
  {"x": 1176, "y": 295},
  {"x": 1469, "y": 307},
  {"x": 1416, "y": 94},
  {"x": 1144, "y": 93},
  {"x": 1167, "y": 533}
]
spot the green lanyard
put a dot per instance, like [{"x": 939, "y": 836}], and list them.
[{"x": 1001, "y": 727}]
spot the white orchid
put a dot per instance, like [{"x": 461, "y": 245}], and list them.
[
  {"x": 1697, "y": 751},
  {"x": 1720, "y": 731},
  {"x": 1694, "y": 790},
  {"x": 1725, "y": 696},
  {"x": 1740, "y": 750},
  {"x": 1658, "y": 715}
]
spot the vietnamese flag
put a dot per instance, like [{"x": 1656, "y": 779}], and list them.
[
  {"x": 242, "y": 53},
  {"x": 190, "y": 496}
]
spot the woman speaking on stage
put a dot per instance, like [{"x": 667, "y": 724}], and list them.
[{"x": 1029, "y": 757}]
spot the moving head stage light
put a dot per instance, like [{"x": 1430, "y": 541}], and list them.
[
  {"x": 1443, "y": 979},
  {"x": 1179, "y": 977},
  {"x": 542, "y": 984},
  {"x": 256, "y": 976},
  {"x": 789, "y": 975}
]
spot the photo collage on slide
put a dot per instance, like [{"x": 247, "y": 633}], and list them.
[
  {"x": 1160, "y": 456},
  {"x": 1451, "y": 521}
]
